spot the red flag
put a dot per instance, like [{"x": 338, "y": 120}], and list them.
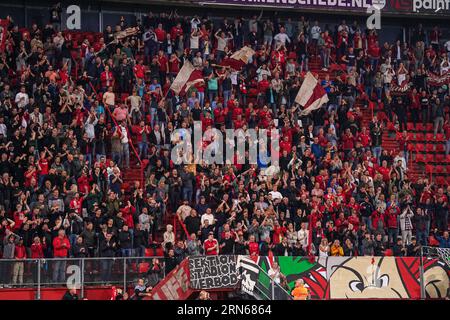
[
  {"x": 239, "y": 59},
  {"x": 186, "y": 78},
  {"x": 3, "y": 33},
  {"x": 311, "y": 95}
]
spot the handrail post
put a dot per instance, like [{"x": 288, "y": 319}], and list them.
[
  {"x": 125, "y": 274},
  {"x": 422, "y": 280},
  {"x": 175, "y": 226},
  {"x": 273, "y": 289},
  {"x": 38, "y": 295},
  {"x": 82, "y": 278}
]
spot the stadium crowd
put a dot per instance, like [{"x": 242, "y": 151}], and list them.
[{"x": 69, "y": 112}]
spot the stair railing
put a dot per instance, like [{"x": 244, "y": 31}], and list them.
[{"x": 130, "y": 141}]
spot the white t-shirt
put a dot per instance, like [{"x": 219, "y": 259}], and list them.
[
  {"x": 275, "y": 275},
  {"x": 194, "y": 42},
  {"x": 124, "y": 135},
  {"x": 276, "y": 195},
  {"x": 315, "y": 32},
  {"x": 447, "y": 45},
  {"x": 209, "y": 217},
  {"x": 282, "y": 38},
  {"x": 22, "y": 99}
]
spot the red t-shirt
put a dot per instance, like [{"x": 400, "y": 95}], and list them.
[
  {"x": 43, "y": 163},
  {"x": 139, "y": 71},
  {"x": 160, "y": 34},
  {"x": 210, "y": 244},
  {"x": 163, "y": 63},
  {"x": 253, "y": 248}
]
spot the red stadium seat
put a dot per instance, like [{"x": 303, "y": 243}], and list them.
[
  {"x": 420, "y": 158},
  {"x": 420, "y": 127},
  {"x": 429, "y": 137},
  {"x": 440, "y": 180},
  {"x": 420, "y": 147},
  {"x": 411, "y": 136},
  {"x": 429, "y": 127},
  {"x": 410, "y": 126},
  {"x": 440, "y": 158},
  {"x": 429, "y": 168},
  {"x": 440, "y": 137},
  {"x": 429, "y": 147},
  {"x": 390, "y": 126},
  {"x": 429, "y": 157},
  {"x": 143, "y": 267},
  {"x": 440, "y": 147},
  {"x": 439, "y": 169},
  {"x": 411, "y": 147},
  {"x": 420, "y": 137},
  {"x": 447, "y": 159}
]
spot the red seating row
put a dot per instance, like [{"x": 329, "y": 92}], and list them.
[
  {"x": 419, "y": 126},
  {"x": 428, "y": 147},
  {"x": 428, "y": 137},
  {"x": 428, "y": 158}
]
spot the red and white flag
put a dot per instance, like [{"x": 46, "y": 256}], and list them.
[
  {"x": 238, "y": 59},
  {"x": 311, "y": 95},
  {"x": 186, "y": 78},
  {"x": 3, "y": 33}
]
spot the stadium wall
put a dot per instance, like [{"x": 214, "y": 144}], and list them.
[{"x": 332, "y": 277}]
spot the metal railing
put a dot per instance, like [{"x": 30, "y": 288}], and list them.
[
  {"x": 130, "y": 140},
  {"x": 267, "y": 289},
  {"x": 79, "y": 272}
]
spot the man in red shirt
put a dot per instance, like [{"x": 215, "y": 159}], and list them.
[
  {"x": 160, "y": 34},
  {"x": 19, "y": 254},
  {"x": 374, "y": 54},
  {"x": 253, "y": 247},
  {"x": 364, "y": 138},
  {"x": 211, "y": 246},
  {"x": 176, "y": 31},
  {"x": 163, "y": 66},
  {"x": 61, "y": 247},
  {"x": 139, "y": 70}
]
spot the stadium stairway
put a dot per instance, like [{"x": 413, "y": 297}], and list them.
[{"x": 427, "y": 156}]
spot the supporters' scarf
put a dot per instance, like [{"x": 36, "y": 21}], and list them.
[
  {"x": 435, "y": 80},
  {"x": 3, "y": 33},
  {"x": 399, "y": 89},
  {"x": 126, "y": 33}
]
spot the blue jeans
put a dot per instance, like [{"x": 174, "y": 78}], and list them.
[
  {"x": 422, "y": 237},
  {"x": 374, "y": 63},
  {"x": 368, "y": 222},
  {"x": 88, "y": 157},
  {"x": 226, "y": 97},
  {"x": 126, "y": 252},
  {"x": 212, "y": 95},
  {"x": 106, "y": 268},
  {"x": 126, "y": 154},
  {"x": 117, "y": 157},
  {"x": 187, "y": 194},
  {"x": 201, "y": 98},
  {"x": 392, "y": 234},
  {"x": 59, "y": 271},
  {"x": 377, "y": 153},
  {"x": 153, "y": 115},
  {"x": 143, "y": 149}
]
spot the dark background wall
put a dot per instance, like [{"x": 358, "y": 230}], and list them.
[{"x": 96, "y": 15}]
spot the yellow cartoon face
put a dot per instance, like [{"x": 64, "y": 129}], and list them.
[
  {"x": 436, "y": 282},
  {"x": 359, "y": 278}
]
